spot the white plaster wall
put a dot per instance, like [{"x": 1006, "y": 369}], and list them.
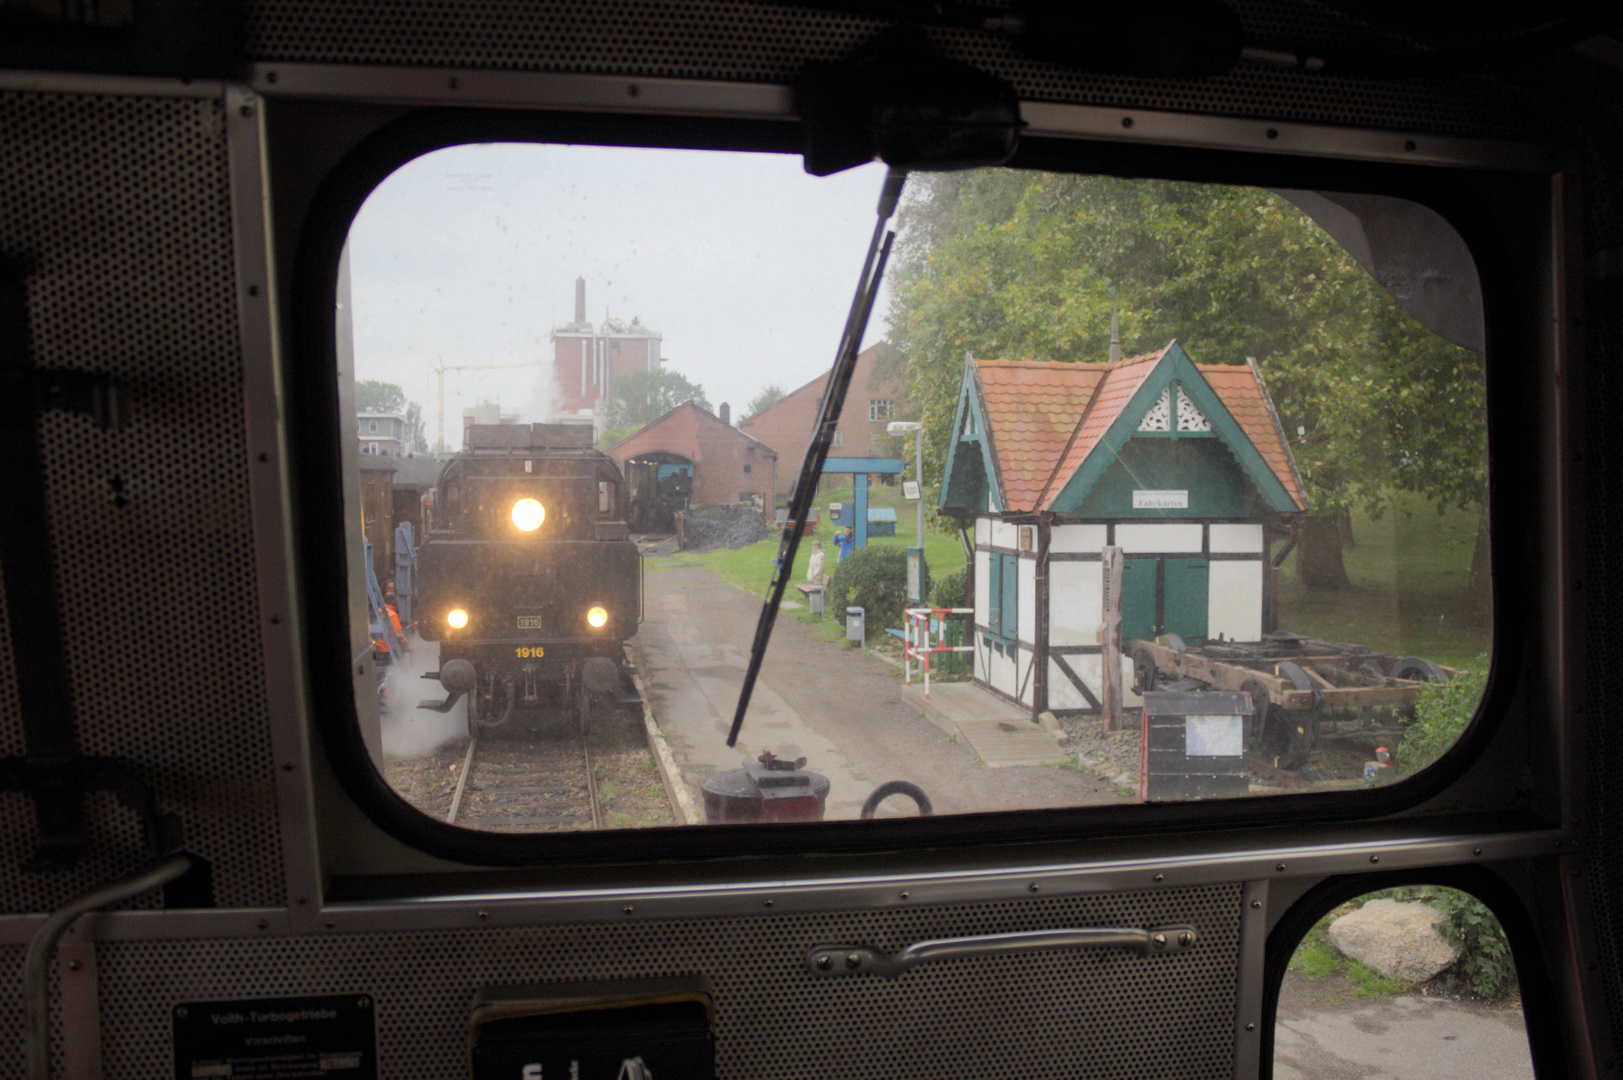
[
  {"x": 1028, "y": 599},
  {"x": 1066, "y": 538},
  {"x": 1004, "y": 535},
  {"x": 983, "y": 531},
  {"x": 1063, "y": 695},
  {"x": 1023, "y": 676},
  {"x": 1075, "y": 602},
  {"x": 1159, "y": 537},
  {"x": 1234, "y": 599},
  {"x": 1001, "y": 675},
  {"x": 1236, "y": 539},
  {"x": 983, "y": 588},
  {"x": 980, "y": 656}
]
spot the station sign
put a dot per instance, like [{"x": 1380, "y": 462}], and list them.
[{"x": 1160, "y": 500}]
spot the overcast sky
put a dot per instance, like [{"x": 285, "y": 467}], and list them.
[{"x": 743, "y": 263}]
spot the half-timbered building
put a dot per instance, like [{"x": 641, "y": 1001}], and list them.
[{"x": 1184, "y": 466}]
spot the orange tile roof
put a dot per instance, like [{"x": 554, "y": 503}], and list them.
[
  {"x": 1046, "y": 417},
  {"x": 1031, "y": 407},
  {"x": 1242, "y": 395},
  {"x": 1123, "y": 381}
]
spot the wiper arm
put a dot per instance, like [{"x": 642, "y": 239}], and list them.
[{"x": 839, "y": 379}]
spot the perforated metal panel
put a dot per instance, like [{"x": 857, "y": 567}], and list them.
[
  {"x": 737, "y": 40},
  {"x": 1061, "y": 1014},
  {"x": 121, "y": 206}
]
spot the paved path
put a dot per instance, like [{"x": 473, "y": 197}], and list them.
[
  {"x": 1396, "y": 1038},
  {"x": 1000, "y": 732},
  {"x": 848, "y": 712}
]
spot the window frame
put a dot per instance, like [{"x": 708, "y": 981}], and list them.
[{"x": 1465, "y": 196}]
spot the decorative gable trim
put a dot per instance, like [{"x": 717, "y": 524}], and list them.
[
  {"x": 1175, "y": 378},
  {"x": 972, "y": 434}
]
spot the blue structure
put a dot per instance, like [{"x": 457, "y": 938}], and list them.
[
  {"x": 859, "y": 468},
  {"x": 405, "y": 570},
  {"x": 881, "y": 521},
  {"x": 377, "y": 618}
]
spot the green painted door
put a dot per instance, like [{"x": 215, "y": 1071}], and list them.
[
  {"x": 1184, "y": 599},
  {"x": 1138, "y": 598},
  {"x": 1010, "y": 608}
]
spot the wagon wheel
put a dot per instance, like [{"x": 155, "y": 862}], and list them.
[
  {"x": 1419, "y": 669},
  {"x": 473, "y": 712},
  {"x": 1143, "y": 670},
  {"x": 1297, "y": 730},
  {"x": 1259, "y": 711}
]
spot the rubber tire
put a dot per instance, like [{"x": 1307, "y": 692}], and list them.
[
  {"x": 1297, "y": 732},
  {"x": 1143, "y": 666},
  {"x": 1419, "y": 669},
  {"x": 897, "y": 787}
]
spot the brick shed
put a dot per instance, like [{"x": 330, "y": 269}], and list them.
[{"x": 728, "y": 465}]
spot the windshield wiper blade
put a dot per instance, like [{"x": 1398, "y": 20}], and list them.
[{"x": 839, "y": 379}]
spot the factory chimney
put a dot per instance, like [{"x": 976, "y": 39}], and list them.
[
  {"x": 580, "y": 300},
  {"x": 725, "y": 414}
]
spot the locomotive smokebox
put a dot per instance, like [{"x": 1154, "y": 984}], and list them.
[
  {"x": 777, "y": 789},
  {"x": 458, "y": 676},
  {"x": 600, "y": 674}
]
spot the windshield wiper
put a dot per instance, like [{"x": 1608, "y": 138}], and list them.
[{"x": 839, "y": 378}]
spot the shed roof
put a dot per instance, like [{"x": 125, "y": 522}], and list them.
[{"x": 1046, "y": 419}]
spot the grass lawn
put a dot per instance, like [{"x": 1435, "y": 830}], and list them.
[{"x": 1409, "y": 572}]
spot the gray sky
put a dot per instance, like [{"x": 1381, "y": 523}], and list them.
[{"x": 743, "y": 263}]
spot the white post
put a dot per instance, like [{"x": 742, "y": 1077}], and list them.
[
  {"x": 918, "y": 461},
  {"x": 1110, "y": 637}
]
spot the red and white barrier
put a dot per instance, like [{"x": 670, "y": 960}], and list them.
[{"x": 922, "y": 640}]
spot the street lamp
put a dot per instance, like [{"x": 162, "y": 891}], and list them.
[{"x": 902, "y": 427}]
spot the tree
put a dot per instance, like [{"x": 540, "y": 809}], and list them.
[
  {"x": 380, "y": 397},
  {"x": 763, "y": 401},
  {"x": 416, "y": 440},
  {"x": 1029, "y": 266},
  {"x": 641, "y": 397}
]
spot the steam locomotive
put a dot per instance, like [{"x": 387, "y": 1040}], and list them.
[{"x": 529, "y": 581}]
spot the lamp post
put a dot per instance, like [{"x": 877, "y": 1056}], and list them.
[{"x": 902, "y": 427}]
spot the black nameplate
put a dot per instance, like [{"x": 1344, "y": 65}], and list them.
[{"x": 277, "y": 1038}]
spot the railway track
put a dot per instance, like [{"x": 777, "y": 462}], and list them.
[{"x": 527, "y": 783}]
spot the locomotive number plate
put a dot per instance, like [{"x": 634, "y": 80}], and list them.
[
  {"x": 529, "y": 622},
  {"x": 525, "y": 652}
]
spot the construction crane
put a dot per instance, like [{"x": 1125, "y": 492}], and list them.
[{"x": 440, "y": 371}]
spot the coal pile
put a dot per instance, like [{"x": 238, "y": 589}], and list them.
[{"x": 711, "y": 528}]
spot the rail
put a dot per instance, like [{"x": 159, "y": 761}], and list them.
[{"x": 923, "y": 628}]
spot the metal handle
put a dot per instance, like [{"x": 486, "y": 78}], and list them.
[{"x": 831, "y": 960}]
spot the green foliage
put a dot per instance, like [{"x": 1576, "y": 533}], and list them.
[
  {"x": 948, "y": 592},
  {"x": 1485, "y": 966},
  {"x": 416, "y": 441},
  {"x": 1027, "y": 265},
  {"x": 641, "y": 397},
  {"x": 374, "y": 396},
  {"x": 874, "y": 578},
  {"x": 763, "y": 401},
  {"x": 1442, "y": 710}
]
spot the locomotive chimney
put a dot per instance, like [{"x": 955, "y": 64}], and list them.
[
  {"x": 725, "y": 411},
  {"x": 580, "y": 300}
]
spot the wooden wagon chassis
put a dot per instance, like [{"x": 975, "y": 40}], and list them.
[{"x": 1302, "y": 678}]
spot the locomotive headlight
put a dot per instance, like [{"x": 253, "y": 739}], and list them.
[
  {"x": 597, "y": 617},
  {"x": 528, "y": 514},
  {"x": 456, "y": 618}
]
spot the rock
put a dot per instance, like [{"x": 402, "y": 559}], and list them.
[
  {"x": 1395, "y": 938},
  {"x": 1050, "y": 724}
]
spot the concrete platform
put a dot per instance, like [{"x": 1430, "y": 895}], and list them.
[{"x": 1000, "y": 732}]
